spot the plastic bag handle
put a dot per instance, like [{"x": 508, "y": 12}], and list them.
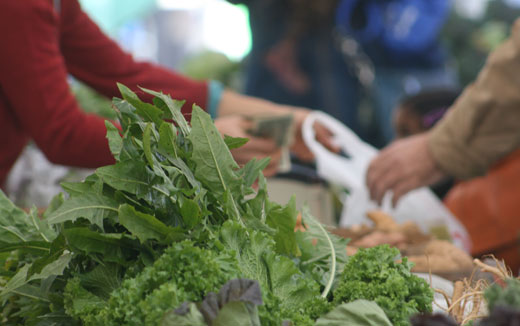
[{"x": 359, "y": 151}]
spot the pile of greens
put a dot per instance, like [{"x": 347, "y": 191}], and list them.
[
  {"x": 375, "y": 274},
  {"x": 172, "y": 234}
]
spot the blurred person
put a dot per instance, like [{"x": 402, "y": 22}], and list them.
[
  {"x": 487, "y": 206},
  {"x": 294, "y": 59},
  {"x": 298, "y": 59},
  {"x": 44, "y": 41},
  {"x": 401, "y": 38},
  {"x": 481, "y": 128}
]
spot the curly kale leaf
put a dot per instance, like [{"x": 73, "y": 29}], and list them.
[
  {"x": 374, "y": 274},
  {"x": 183, "y": 273}
]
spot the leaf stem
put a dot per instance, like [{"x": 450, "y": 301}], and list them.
[{"x": 333, "y": 264}]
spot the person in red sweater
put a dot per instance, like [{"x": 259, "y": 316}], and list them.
[{"x": 44, "y": 41}]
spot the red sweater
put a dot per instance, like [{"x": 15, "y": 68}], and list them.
[{"x": 39, "y": 48}]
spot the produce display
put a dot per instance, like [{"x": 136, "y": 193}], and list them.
[
  {"x": 174, "y": 234},
  {"x": 427, "y": 253}
]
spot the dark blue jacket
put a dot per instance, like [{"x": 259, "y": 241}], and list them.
[{"x": 402, "y": 33}]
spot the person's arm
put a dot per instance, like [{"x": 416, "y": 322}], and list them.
[
  {"x": 484, "y": 124},
  {"x": 98, "y": 61},
  {"x": 33, "y": 80}
]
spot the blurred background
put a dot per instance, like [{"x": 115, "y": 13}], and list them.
[{"x": 220, "y": 40}]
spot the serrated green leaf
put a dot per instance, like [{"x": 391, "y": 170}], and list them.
[
  {"x": 17, "y": 226},
  {"x": 283, "y": 220},
  {"x": 167, "y": 136},
  {"x": 114, "y": 247},
  {"x": 55, "y": 203},
  {"x": 146, "y": 227},
  {"x": 147, "y": 143},
  {"x": 252, "y": 170},
  {"x": 45, "y": 231},
  {"x": 190, "y": 212},
  {"x": 115, "y": 142},
  {"x": 235, "y": 142},
  {"x": 39, "y": 264},
  {"x": 175, "y": 109},
  {"x": 215, "y": 165},
  {"x": 134, "y": 177},
  {"x": 34, "y": 247},
  {"x": 147, "y": 111},
  {"x": 93, "y": 207},
  {"x": 90, "y": 184},
  {"x": 186, "y": 171},
  {"x": 55, "y": 268}
]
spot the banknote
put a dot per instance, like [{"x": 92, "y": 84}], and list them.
[{"x": 279, "y": 128}]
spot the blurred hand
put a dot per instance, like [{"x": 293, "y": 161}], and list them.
[
  {"x": 402, "y": 166},
  {"x": 323, "y": 135},
  {"x": 237, "y": 126}
]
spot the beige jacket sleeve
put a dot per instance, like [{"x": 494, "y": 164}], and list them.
[{"x": 484, "y": 123}]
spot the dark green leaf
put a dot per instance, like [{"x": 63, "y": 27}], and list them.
[
  {"x": 283, "y": 219},
  {"x": 114, "y": 247},
  {"x": 146, "y": 227},
  {"x": 17, "y": 226},
  {"x": 190, "y": 212},
  {"x": 93, "y": 207},
  {"x": 167, "y": 136},
  {"x": 252, "y": 170},
  {"x": 215, "y": 165},
  {"x": 147, "y": 111},
  {"x": 175, "y": 109},
  {"x": 20, "y": 279},
  {"x": 34, "y": 247},
  {"x": 102, "y": 280},
  {"x": 39, "y": 264},
  {"x": 115, "y": 142},
  {"x": 134, "y": 177},
  {"x": 147, "y": 143}
]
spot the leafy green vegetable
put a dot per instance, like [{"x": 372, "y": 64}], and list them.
[
  {"x": 374, "y": 274},
  {"x": 17, "y": 227},
  {"x": 183, "y": 273},
  {"x": 508, "y": 296},
  {"x": 173, "y": 220},
  {"x": 146, "y": 227},
  {"x": 323, "y": 254},
  {"x": 235, "y": 142},
  {"x": 357, "y": 313}
]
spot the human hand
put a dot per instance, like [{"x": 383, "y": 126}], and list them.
[
  {"x": 402, "y": 166},
  {"x": 256, "y": 147},
  {"x": 323, "y": 135}
]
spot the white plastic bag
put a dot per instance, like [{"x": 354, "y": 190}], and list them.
[{"x": 420, "y": 205}]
